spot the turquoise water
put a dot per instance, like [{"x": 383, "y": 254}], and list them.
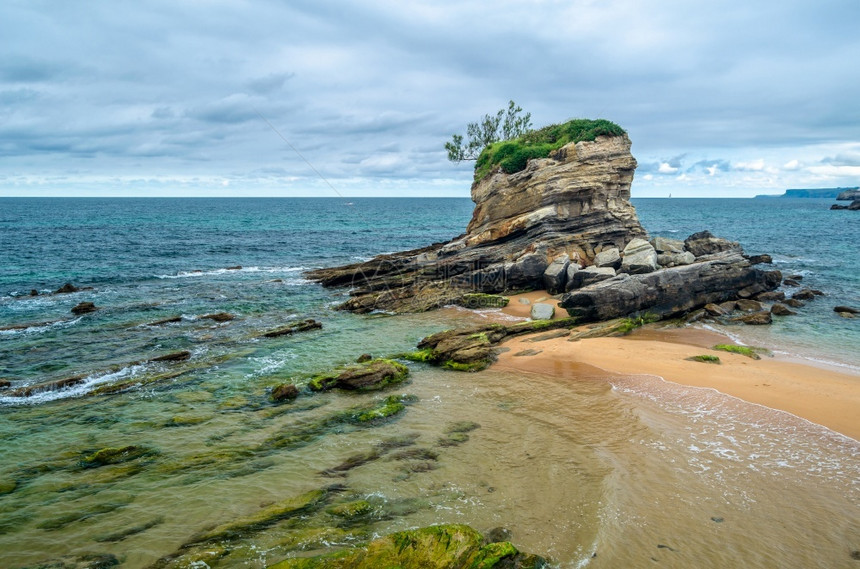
[{"x": 562, "y": 465}]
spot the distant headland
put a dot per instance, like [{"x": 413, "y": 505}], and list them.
[{"x": 814, "y": 193}]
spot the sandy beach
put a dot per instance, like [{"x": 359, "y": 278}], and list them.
[{"x": 823, "y": 396}]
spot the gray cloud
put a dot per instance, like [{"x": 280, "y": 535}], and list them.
[{"x": 375, "y": 89}]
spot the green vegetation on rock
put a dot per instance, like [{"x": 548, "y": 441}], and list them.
[
  {"x": 513, "y": 155},
  {"x": 351, "y": 510},
  {"x": 747, "y": 351},
  {"x": 705, "y": 358},
  {"x": 423, "y": 356},
  {"x": 367, "y": 376},
  {"x": 445, "y": 546},
  {"x": 629, "y": 324},
  {"x": 111, "y": 455}
]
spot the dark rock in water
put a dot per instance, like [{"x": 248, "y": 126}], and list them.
[
  {"x": 704, "y": 243},
  {"x": 300, "y": 326},
  {"x": 236, "y": 268},
  {"x": 854, "y": 206},
  {"x": 173, "y": 357},
  {"x": 34, "y": 292},
  {"x": 847, "y": 309},
  {"x": 805, "y": 294},
  {"x": 756, "y": 318},
  {"x": 285, "y": 392},
  {"x": 84, "y": 308},
  {"x": 219, "y": 317},
  {"x": 668, "y": 292},
  {"x": 791, "y": 282},
  {"x": 4, "y": 383},
  {"x": 55, "y": 385},
  {"x": 855, "y": 554},
  {"x": 794, "y": 303},
  {"x": 772, "y": 296},
  {"x": 363, "y": 358},
  {"x": 760, "y": 259},
  {"x": 111, "y": 455},
  {"x": 745, "y": 305},
  {"x": 781, "y": 310},
  {"x": 66, "y": 289},
  {"x": 369, "y": 376},
  {"x": 716, "y": 310},
  {"x": 171, "y": 320},
  {"x": 795, "y": 277},
  {"x": 450, "y": 546},
  {"x": 717, "y": 520}
]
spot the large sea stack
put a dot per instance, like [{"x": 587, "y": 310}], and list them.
[{"x": 538, "y": 227}]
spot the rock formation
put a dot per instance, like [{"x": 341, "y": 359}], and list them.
[
  {"x": 564, "y": 223},
  {"x": 574, "y": 203}
]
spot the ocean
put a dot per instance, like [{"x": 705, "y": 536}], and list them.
[{"x": 598, "y": 472}]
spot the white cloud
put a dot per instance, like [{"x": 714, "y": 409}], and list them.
[
  {"x": 666, "y": 168},
  {"x": 791, "y": 165},
  {"x": 751, "y": 166}
]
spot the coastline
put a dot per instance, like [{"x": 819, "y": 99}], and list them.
[{"x": 820, "y": 395}]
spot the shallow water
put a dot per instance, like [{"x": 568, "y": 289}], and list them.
[{"x": 630, "y": 469}]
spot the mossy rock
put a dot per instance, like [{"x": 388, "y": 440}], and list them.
[
  {"x": 368, "y": 376},
  {"x": 422, "y": 356},
  {"x": 291, "y": 507},
  {"x": 351, "y": 510},
  {"x": 467, "y": 367},
  {"x": 444, "y": 546},
  {"x": 186, "y": 420},
  {"x": 112, "y": 455},
  {"x": 387, "y": 408},
  {"x": 748, "y": 351},
  {"x": 705, "y": 358},
  {"x": 306, "y": 539},
  {"x": 7, "y": 486}
]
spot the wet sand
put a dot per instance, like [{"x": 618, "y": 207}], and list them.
[
  {"x": 820, "y": 394},
  {"x": 823, "y": 396}
]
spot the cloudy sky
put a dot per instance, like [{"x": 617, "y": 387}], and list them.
[{"x": 176, "y": 97}]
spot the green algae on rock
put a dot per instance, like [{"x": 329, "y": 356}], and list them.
[
  {"x": 444, "y": 546},
  {"x": 112, "y": 455},
  {"x": 748, "y": 351},
  {"x": 705, "y": 358},
  {"x": 367, "y": 376}
]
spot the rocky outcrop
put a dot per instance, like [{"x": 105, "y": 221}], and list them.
[
  {"x": 854, "y": 206},
  {"x": 672, "y": 291},
  {"x": 574, "y": 203},
  {"x": 565, "y": 223},
  {"x": 849, "y": 195}
]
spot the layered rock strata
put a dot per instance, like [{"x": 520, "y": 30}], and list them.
[
  {"x": 574, "y": 203},
  {"x": 564, "y": 223}
]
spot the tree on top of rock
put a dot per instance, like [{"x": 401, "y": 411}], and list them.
[{"x": 506, "y": 124}]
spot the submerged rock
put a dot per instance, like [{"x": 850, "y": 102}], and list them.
[
  {"x": 84, "y": 308},
  {"x": 444, "y": 546},
  {"x": 293, "y": 328},
  {"x": 368, "y": 376},
  {"x": 781, "y": 310},
  {"x": 218, "y": 317},
  {"x": 284, "y": 392},
  {"x": 112, "y": 455},
  {"x": 67, "y": 288}
]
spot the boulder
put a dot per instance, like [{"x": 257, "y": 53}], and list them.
[
  {"x": 542, "y": 311},
  {"x": 756, "y": 318},
  {"x": 369, "y": 376},
  {"x": 804, "y": 294},
  {"x": 639, "y": 257},
  {"x": 4, "y": 383},
  {"x": 572, "y": 269},
  {"x": 665, "y": 245},
  {"x": 794, "y": 303},
  {"x": 760, "y": 259},
  {"x": 675, "y": 259},
  {"x": 555, "y": 275},
  {"x": 668, "y": 292},
  {"x": 608, "y": 258},
  {"x": 847, "y": 309},
  {"x": 791, "y": 282},
  {"x": 363, "y": 358},
  {"x": 525, "y": 271},
  {"x": 781, "y": 310},
  {"x": 771, "y": 296},
  {"x": 749, "y": 306},
  {"x": 704, "y": 243},
  {"x": 84, "y": 308},
  {"x": 66, "y": 289},
  {"x": 591, "y": 275},
  {"x": 285, "y": 392},
  {"x": 716, "y": 310}
]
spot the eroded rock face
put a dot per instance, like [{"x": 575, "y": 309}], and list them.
[{"x": 574, "y": 203}]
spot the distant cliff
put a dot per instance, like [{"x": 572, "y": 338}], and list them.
[{"x": 815, "y": 193}]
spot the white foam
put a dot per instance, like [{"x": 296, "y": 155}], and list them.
[
  {"x": 225, "y": 271},
  {"x": 78, "y": 390}
]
